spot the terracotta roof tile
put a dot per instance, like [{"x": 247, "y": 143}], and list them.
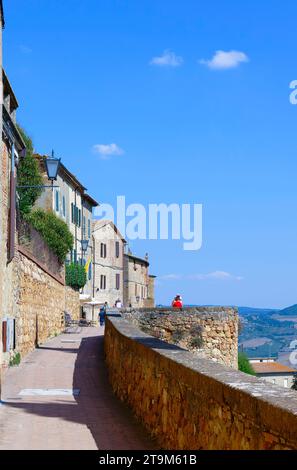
[{"x": 271, "y": 368}]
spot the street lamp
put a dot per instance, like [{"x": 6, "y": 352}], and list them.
[
  {"x": 84, "y": 248},
  {"x": 52, "y": 165},
  {"x": 84, "y": 245}
]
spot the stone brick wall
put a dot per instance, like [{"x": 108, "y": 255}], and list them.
[
  {"x": 190, "y": 403},
  {"x": 41, "y": 303},
  {"x": 41, "y": 300},
  {"x": 32, "y": 242},
  {"x": 210, "y": 332},
  {"x": 72, "y": 303}
]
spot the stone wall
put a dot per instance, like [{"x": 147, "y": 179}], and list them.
[
  {"x": 210, "y": 332},
  {"x": 41, "y": 303},
  {"x": 72, "y": 303},
  {"x": 41, "y": 299},
  {"x": 32, "y": 242},
  {"x": 190, "y": 403}
]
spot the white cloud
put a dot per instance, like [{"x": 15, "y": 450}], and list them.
[
  {"x": 218, "y": 275},
  {"x": 170, "y": 277},
  {"x": 225, "y": 60},
  {"x": 168, "y": 59},
  {"x": 107, "y": 150}
]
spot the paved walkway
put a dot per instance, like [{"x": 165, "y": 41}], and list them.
[{"x": 94, "y": 419}]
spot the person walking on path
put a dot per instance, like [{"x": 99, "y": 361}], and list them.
[{"x": 102, "y": 314}]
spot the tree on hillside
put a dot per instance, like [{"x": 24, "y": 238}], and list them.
[{"x": 244, "y": 364}]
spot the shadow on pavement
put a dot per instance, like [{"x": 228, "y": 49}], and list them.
[{"x": 110, "y": 422}]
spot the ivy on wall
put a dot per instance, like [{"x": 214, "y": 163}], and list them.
[
  {"x": 28, "y": 174},
  {"x": 76, "y": 276}
]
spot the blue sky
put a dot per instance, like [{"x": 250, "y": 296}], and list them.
[{"x": 220, "y": 132}]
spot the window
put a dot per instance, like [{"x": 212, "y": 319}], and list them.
[
  {"x": 89, "y": 228},
  {"x": 102, "y": 282},
  {"x": 74, "y": 256},
  {"x": 117, "y": 249},
  {"x": 57, "y": 201},
  {"x": 103, "y": 250},
  {"x": 90, "y": 271},
  {"x": 118, "y": 281},
  {"x": 136, "y": 290},
  {"x": 64, "y": 207},
  {"x": 79, "y": 217}
]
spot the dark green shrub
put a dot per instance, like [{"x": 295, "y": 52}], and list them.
[
  {"x": 28, "y": 174},
  {"x": 76, "y": 276},
  {"x": 15, "y": 360},
  {"x": 53, "y": 230},
  {"x": 244, "y": 364},
  {"x": 197, "y": 342},
  {"x": 178, "y": 335}
]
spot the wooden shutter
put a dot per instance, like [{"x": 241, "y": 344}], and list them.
[{"x": 4, "y": 336}]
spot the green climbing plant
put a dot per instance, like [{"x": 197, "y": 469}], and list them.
[{"x": 28, "y": 174}]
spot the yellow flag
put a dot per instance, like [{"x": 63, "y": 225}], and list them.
[{"x": 87, "y": 265}]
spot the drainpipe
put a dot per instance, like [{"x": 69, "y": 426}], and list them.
[
  {"x": 75, "y": 222},
  {"x": 12, "y": 209}
]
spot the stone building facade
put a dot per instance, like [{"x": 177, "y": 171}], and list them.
[
  {"x": 73, "y": 205},
  {"x": 108, "y": 262},
  {"x": 275, "y": 373},
  {"x": 138, "y": 284},
  {"x": 1, "y": 193},
  {"x": 33, "y": 295},
  {"x": 13, "y": 148}
]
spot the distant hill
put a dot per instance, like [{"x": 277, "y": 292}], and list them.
[
  {"x": 289, "y": 311},
  {"x": 256, "y": 311}
]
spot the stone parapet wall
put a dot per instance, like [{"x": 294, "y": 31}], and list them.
[
  {"x": 190, "y": 403},
  {"x": 210, "y": 332}
]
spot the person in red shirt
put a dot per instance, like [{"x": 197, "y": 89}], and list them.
[{"x": 177, "y": 302}]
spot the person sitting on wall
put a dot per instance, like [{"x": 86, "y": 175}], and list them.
[
  {"x": 118, "y": 304},
  {"x": 177, "y": 302}
]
